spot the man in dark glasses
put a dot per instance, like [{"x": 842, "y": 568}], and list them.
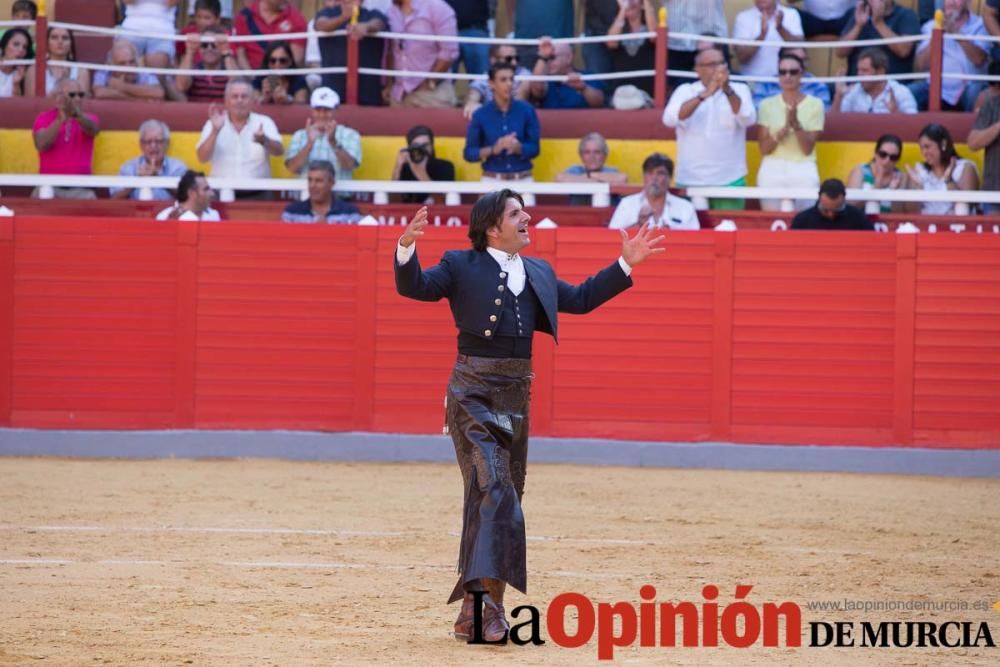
[
  {"x": 832, "y": 211},
  {"x": 64, "y": 137},
  {"x": 480, "y": 91}
]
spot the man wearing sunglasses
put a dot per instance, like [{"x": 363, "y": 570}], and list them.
[
  {"x": 480, "y": 91},
  {"x": 215, "y": 57},
  {"x": 64, "y": 137},
  {"x": 832, "y": 211}
]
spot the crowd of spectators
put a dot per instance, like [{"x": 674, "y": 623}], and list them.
[
  {"x": 769, "y": 22},
  {"x": 710, "y": 112}
]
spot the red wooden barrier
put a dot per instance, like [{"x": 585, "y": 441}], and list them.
[{"x": 811, "y": 337}]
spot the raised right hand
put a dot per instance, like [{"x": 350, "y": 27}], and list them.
[
  {"x": 415, "y": 228},
  {"x": 217, "y": 116}
]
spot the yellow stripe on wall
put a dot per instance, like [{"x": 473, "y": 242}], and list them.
[{"x": 836, "y": 158}]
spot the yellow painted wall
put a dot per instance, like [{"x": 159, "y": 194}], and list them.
[{"x": 836, "y": 158}]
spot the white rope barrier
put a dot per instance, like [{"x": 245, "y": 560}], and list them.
[
  {"x": 198, "y": 72},
  {"x": 600, "y": 192},
  {"x": 904, "y": 39},
  {"x": 176, "y": 37},
  {"x": 684, "y": 74},
  {"x": 17, "y": 24}
]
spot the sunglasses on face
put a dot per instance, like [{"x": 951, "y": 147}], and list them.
[
  {"x": 278, "y": 61},
  {"x": 887, "y": 156},
  {"x": 789, "y": 72},
  {"x": 207, "y": 45},
  {"x": 74, "y": 95},
  {"x": 509, "y": 59}
]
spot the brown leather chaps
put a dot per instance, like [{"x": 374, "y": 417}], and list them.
[{"x": 487, "y": 417}]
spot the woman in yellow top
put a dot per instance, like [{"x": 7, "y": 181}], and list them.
[{"x": 789, "y": 124}]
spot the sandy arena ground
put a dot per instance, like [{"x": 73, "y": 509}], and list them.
[{"x": 275, "y": 563}]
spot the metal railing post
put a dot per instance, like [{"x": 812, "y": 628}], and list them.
[
  {"x": 352, "y": 59},
  {"x": 937, "y": 62},
  {"x": 660, "y": 82}
]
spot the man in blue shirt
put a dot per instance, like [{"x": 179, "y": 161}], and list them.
[
  {"x": 504, "y": 133},
  {"x": 556, "y": 59},
  {"x": 154, "y": 141},
  {"x": 321, "y": 206}
]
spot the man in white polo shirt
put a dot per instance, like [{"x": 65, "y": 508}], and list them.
[
  {"x": 238, "y": 142},
  {"x": 194, "y": 200},
  {"x": 711, "y": 116},
  {"x": 655, "y": 206}
]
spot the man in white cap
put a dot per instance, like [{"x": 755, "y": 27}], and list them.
[{"x": 325, "y": 139}]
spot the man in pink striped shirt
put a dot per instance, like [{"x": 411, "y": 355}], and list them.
[{"x": 421, "y": 17}]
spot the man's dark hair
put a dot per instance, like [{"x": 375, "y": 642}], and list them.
[
  {"x": 796, "y": 58},
  {"x": 658, "y": 160},
  {"x": 877, "y": 56},
  {"x": 213, "y": 6},
  {"x": 833, "y": 188},
  {"x": 24, "y": 6},
  {"x": 322, "y": 165},
  {"x": 994, "y": 70},
  {"x": 487, "y": 212},
  {"x": 186, "y": 183},
  {"x": 416, "y": 131},
  {"x": 498, "y": 67}
]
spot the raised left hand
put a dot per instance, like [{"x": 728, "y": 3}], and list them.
[{"x": 642, "y": 246}]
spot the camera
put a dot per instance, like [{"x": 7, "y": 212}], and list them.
[{"x": 419, "y": 152}]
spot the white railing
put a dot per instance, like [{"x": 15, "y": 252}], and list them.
[{"x": 600, "y": 193}]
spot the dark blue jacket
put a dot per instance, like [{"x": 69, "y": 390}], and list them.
[{"x": 473, "y": 283}]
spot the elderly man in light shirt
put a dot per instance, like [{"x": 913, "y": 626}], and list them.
[
  {"x": 154, "y": 141},
  {"x": 965, "y": 57},
  {"x": 711, "y": 116},
  {"x": 238, "y": 142},
  {"x": 766, "y": 21},
  {"x": 873, "y": 96},
  {"x": 421, "y": 17}
]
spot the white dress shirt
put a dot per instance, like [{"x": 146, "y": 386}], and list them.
[
  {"x": 678, "y": 213},
  {"x": 858, "y": 101},
  {"x": 711, "y": 142},
  {"x": 238, "y": 154},
  {"x": 208, "y": 215},
  {"x": 747, "y": 26}
]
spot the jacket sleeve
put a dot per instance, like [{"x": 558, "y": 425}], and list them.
[
  {"x": 593, "y": 291},
  {"x": 430, "y": 285}
]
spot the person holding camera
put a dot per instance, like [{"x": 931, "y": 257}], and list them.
[
  {"x": 281, "y": 88},
  {"x": 417, "y": 162}
]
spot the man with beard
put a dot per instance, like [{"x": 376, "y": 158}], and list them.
[{"x": 498, "y": 300}]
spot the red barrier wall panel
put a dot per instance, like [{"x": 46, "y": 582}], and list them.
[
  {"x": 639, "y": 366},
  {"x": 415, "y": 345},
  {"x": 813, "y": 324},
  {"x": 94, "y": 314},
  {"x": 824, "y": 338},
  {"x": 276, "y": 327},
  {"x": 957, "y": 347}
]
